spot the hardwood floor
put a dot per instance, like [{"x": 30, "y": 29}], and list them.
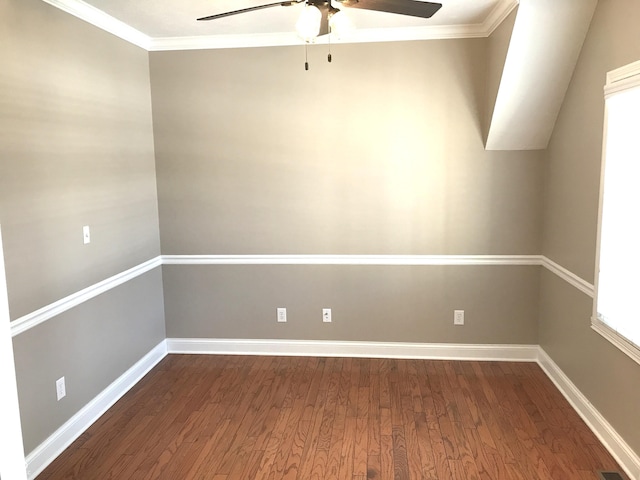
[{"x": 235, "y": 417}]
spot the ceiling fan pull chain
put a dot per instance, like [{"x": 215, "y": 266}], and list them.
[
  {"x": 306, "y": 60},
  {"x": 329, "y": 40}
]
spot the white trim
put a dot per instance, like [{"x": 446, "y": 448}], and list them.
[
  {"x": 102, "y": 20},
  {"x": 47, "y": 312},
  {"x": 291, "y": 38},
  {"x": 623, "y": 73},
  {"x": 622, "y": 85},
  {"x": 612, "y": 441},
  {"x": 618, "y": 80},
  {"x": 498, "y": 15},
  {"x": 324, "y": 348},
  {"x": 11, "y": 450},
  {"x": 53, "y": 446},
  {"x": 596, "y": 269},
  {"x": 568, "y": 276},
  {"x": 352, "y": 260},
  {"x": 224, "y": 41},
  {"x": 620, "y": 341}
]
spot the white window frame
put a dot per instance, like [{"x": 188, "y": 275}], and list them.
[{"x": 618, "y": 80}]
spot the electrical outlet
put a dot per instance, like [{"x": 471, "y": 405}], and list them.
[
  {"x": 458, "y": 317},
  {"x": 61, "y": 390},
  {"x": 282, "y": 315},
  {"x": 86, "y": 234},
  {"x": 326, "y": 315}
]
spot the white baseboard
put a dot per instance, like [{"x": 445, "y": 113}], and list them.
[
  {"x": 53, "y": 446},
  {"x": 323, "y": 348},
  {"x": 613, "y": 442}
]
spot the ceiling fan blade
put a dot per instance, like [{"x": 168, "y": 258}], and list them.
[
  {"x": 412, "y": 8},
  {"x": 250, "y": 9}
]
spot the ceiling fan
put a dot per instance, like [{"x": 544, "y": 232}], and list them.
[
  {"x": 320, "y": 17},
  {"x": 413, "y": 8}
]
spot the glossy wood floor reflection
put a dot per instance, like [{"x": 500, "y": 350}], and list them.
[{"x": 235, "y": 417}]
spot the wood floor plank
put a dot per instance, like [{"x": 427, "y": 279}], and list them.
[
  {"x": 348, "y": 447},
  {"x": 386, "y": 457},
  {"x": 266, "y": 461},
  {"x": 426, "y": 451},
  {"x": 413, "y": 449},
  {"x": 385, "y": 395},
  {"x": 311, "y": 448},
  {"x": 306, "y": 418},
  {"x": 485, "y": 464},
  {"x": 400, "y": 454},
  {"x": 361, "y": 447},
  {"x": 374, "y": 420},
  {"x": 318, "y": 467},
  {"x": 334, "y": 455},
  {"x": 373, "y": 467}
]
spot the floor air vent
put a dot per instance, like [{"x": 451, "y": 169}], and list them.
[{"x": 610, "y": 476}]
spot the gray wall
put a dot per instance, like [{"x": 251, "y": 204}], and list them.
[
  {"x": 77, "y": 149},
  {"x": 609, "y": 379},
  {"x": 369, "y": 303},
  {"x": 379, "y": 152},
  {"x": 76, "y": 144}
]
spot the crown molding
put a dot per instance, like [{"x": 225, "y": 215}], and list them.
[
  {"x": 291, "y": 39},
  {"x": 498, "y": 15},
  {"x": 224, "y": 41},
  {"x": 106, "y": 22},
  {"x": 102, "y": 20}
]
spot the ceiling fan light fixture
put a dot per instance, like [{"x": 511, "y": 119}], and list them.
[
  {"x": 308, "y": 24},
  {"x": 340, "y": 24}
]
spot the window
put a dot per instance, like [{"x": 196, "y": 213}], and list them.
[{"x": 617, "y": 299}]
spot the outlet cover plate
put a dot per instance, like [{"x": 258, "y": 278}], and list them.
[{"x": 61, "y": 390}]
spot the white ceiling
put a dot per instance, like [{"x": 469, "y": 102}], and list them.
[{"x": 171, "y": 24}]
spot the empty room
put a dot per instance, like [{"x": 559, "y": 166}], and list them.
[{"x": 315, "y": 239}]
